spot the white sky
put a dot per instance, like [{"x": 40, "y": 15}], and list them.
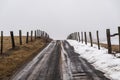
[{"x": 60, "y": 17}]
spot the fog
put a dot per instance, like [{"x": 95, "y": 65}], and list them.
[{"x": 60, "y": 17}]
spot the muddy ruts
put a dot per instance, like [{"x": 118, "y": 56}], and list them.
[
  {"x": 48, "y": 67},
  {"x": 81, "y": 69},
  {"x": 58, "y": 61},
  {"x": 54, "y": 64},
  {"x": 38, "y": 67}
]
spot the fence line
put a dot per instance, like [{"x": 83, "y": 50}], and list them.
[
  {"x": 37, "y": 35},
  {"x": 108, "y": 35}
]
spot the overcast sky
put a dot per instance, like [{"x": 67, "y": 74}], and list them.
[{"x": 60, "y": 17}]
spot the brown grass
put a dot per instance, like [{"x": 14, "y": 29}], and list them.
[
  {"x": 19, "y": 56},
  {"x": 7, "y": 42},
  {"x": 114, "y": 47}
]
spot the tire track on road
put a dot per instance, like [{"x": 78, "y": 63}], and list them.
[{"x": 81, "y": 69}]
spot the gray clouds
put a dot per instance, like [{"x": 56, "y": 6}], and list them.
[{"x": 60, "y": 17}]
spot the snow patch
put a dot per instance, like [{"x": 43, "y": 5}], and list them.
[{"x": 100, "y": 59}]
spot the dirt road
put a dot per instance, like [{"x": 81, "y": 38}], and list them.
[{"x": 58, "y": 61}]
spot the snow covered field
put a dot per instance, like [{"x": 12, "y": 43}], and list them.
[{"x": 100, "y": 59}]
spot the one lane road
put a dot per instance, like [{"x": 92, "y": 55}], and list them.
[{"x": 58, "y": 61}]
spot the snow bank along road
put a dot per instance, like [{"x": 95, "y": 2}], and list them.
[{"x": 58, "y": 61}]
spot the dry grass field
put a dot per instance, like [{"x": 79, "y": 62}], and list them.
[
  {"x": 114, "y": 47},
  {"x": 13, "y": 59},
  {"x": 7, "y": 42}
]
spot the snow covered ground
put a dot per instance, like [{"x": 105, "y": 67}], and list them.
[{"x": 100, "y": 59}]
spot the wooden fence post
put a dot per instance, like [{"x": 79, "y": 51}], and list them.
[
  {"x": 119, "y": 37},
  {"x": 109, "y": 41},
  {"x": 46, "y": 35},
  {"x": 90, "y": 34},
  {"x": 31, "y": 36},
  {"x": 71, "y": 36},
  {"x": 85, "y": 37},
  {"x": 27, "y": 37},
  {"x": 20, "y": 36},
  {"x": 75, "y": 36},
  {"x": 12, "y": 39},
  {"x": 41, "y": 33},
  {"x": 78, "y": 36},
  {"x": 82, "y": 36},
  {"x": 38, "y": 34},
  {"x": 1, "y": 42},
  {"x": 35, "y": 35},
  {"x": 98, "y": 41}
]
